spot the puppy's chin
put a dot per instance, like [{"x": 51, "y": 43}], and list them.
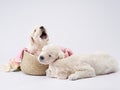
[{"x": 45, "y": 63}]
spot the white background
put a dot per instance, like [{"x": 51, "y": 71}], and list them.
[{"x": 85, "y": 26}]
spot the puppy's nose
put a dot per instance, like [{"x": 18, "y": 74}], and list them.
[
  {"x": 41, "y": 58},
  {"x": 42, "y": 28}
]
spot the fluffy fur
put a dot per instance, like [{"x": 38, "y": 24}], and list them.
[
  {"x": 29, "y": 63},
  {"x": 38, "y": 39},
  {"x": 76, "y": 66}
]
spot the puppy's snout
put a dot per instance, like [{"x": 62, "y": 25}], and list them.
[
  {"x": 42, "y": 29},
  {"x": 41, "y": 58}
]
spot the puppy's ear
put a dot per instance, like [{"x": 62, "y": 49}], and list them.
[
  {"x": 61, "y": 55},
  {"x": 31, "y": 40}
]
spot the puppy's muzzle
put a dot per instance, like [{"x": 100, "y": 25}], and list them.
[{"x": 44, "y": 34}]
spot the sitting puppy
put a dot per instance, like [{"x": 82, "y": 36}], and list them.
[
  {"x": 29, "y": 63},
  {"x": 75, "y": 66},
  {"x": 38, "y": 39}
]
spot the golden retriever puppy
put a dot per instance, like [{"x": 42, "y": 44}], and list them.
[
  {"x": 38, "y": 39},
  {"x": 75, "y": 66}
]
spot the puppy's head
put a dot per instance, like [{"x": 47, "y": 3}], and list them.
[
  {"x": 50, "y": 53},
  {"x": 39, "y": 36}
]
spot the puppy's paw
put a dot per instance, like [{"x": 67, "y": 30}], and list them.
[
  {"x": 62, "y": 75},
  {"x": 63, "y": 78},
  {"x": 48, "y": 73},
  {"x": 73, "y": 77}
]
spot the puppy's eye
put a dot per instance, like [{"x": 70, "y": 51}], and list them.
[{"x": 50, "y": 56}]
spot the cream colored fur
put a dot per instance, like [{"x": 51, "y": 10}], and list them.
[
  {"x": 29, "y": 63},
  {"x": 76, "y": 66},
  {"x": 38, "y": 39}
]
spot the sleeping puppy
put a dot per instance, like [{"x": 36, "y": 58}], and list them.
[
  {"x": 75, "y": 66},
  {"x": 38, "y": 39}
]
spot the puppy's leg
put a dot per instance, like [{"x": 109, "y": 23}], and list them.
[
  {"x": 62, "y": 75},
  {"x": 85, "y": 71},
  {"x": 57, "y": 73},
  {"x": 48, "y": 73}
]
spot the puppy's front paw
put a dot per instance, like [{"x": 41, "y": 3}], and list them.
[
  {"x": 48, "y": 73},
  {"x": 73, "y": 77},
  {"x": 63, "y": 78},
  {"x": 62, "y": 75}
]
